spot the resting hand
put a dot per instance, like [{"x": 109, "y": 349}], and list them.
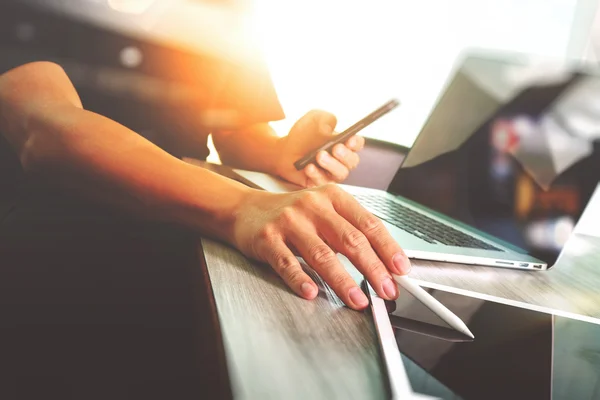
[
  {"x": 315, "y": 224},
  {"x": 309, "y": 132}
]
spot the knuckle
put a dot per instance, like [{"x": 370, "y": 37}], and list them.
[
  {"x": 373, "y": 267},
  {"x": 370, "y": 224},
  {"x": 288, "y": 215},
  {"x": 267, "y": 233},
  {"x": 339, "y": 279},
  {"x": 295, "y": 276},
  {"x": 331, "y": 189},
  {"x": 353, "y": 240},
  {"x": 286, "y": 265},
  {"x": 311, "y": 199},
  {"x": 322, "y": 254}
]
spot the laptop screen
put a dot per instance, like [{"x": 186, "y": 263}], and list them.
[{"x": 512, "y": 149}]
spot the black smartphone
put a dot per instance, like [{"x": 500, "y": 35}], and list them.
[{"x": 345, "y": 135}]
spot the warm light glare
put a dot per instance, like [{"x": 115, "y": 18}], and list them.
[
  {"x": 130, "y": 6},
  {"x": 349, "y": 57}
]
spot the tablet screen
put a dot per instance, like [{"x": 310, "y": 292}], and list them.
[{"x": 516, "y": 353}]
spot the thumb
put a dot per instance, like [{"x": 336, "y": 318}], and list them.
[{"x": 323, "y": 122}]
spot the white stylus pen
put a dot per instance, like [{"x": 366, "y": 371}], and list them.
[{"x": 431, "y": 302}]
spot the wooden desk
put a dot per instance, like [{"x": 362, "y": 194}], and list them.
[{"x": 281, "y": 346}]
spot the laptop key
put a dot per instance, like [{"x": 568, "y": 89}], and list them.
[{"x": 420, "y": 225}]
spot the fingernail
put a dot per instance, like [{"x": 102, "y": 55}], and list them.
[
  {"x": 324, "y": 157},
  {"x": 308, "y": 290},
  {"x": 389, "y": 288},
  {"x": 401, "y": 263},
  {"x": 358, "y": 297},
  {"x": 352, "y": 142},
  {"x": 340, "y": 151}
]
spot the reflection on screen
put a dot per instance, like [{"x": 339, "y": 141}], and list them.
[
  {"x": 525, "y": 174},
  {"x": 511, "y": 356}
]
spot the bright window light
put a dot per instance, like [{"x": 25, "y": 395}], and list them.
[
  {"x": 349, "y": 57},
  {"x": 130, "y": 6}
]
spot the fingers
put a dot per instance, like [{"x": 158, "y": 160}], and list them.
[
  {"x": 351, "y": 242},
  {"x": 335, "y": 168},
  {"x": 388, "y": 250},
  {"x": 356, "y": 143},
  {"x": 287, "y": 266},
  {"x": 316, "y": 176},
  {"x": 314, "y": 224},
  {"x": 346, "y": 156},
  {"x": 323, "y": 120},
  {"x": 325, "y": 262}
]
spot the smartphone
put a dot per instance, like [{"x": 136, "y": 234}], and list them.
[{"x": 345, "y": 135}]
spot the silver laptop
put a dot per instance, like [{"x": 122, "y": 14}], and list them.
[{"x": 503, "y": 168}]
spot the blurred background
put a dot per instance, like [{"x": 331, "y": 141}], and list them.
[
  {"x": 403, "y": 49},
  {"x": 141, "y": 61}
]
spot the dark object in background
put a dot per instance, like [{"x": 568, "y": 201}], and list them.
[
  {"x": 96, "y": 304},
  {"x": 162, "y": 92},
  {"x": 99, "y": 306}
]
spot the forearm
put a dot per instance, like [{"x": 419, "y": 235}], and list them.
[
  {"x": 255, "y": 148},
  {"x": 99, "y": 158}
]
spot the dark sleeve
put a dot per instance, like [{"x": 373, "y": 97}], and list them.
[
  {"x": 173, "y": 91},
  {"x": 10, "y": 176}
]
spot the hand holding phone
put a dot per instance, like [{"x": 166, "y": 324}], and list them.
[{"x": 345, "y": 135}]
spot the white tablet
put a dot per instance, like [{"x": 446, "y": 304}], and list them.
[{"x": 511, "y": 357}]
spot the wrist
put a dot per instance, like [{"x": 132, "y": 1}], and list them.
[
  {"x": 280, "y": 163},
  {"x": 210, "y": 203},
  {"x": 229, "y": 210},
  {"x": 233, "y": 213}
]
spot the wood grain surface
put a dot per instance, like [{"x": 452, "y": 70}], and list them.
[{"x": 280, "y": 346}]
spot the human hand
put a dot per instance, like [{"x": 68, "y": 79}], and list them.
[
  {"x": 309, "y": 132},
  {"x": 315, "y": 224}
]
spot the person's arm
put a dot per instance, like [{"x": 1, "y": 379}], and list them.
[
  {"x": 44, "y": 122},
  {"x": 255, "y": 147},
  {"x": 42, "y": 119},
  {"x": 258, "y": 148}
]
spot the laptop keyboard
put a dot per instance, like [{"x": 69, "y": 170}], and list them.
[{"x": 420, "y": 225}]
